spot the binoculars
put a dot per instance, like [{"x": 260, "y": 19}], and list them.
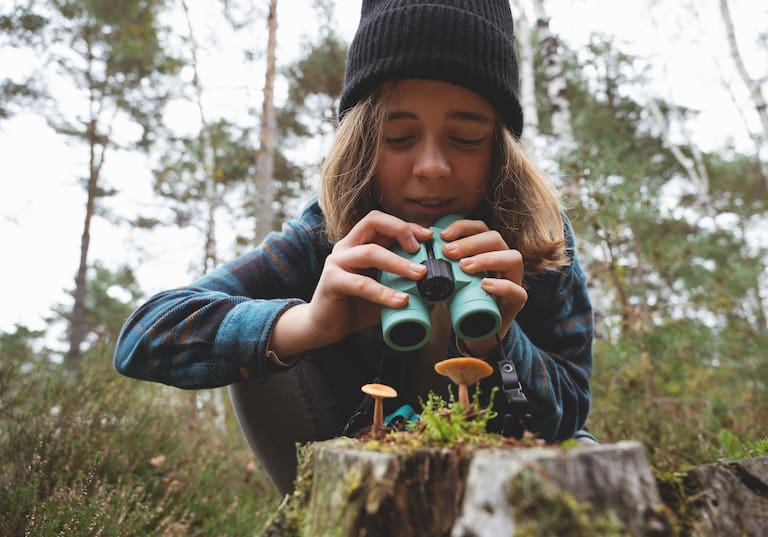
[{"x": 474, "y": 313}]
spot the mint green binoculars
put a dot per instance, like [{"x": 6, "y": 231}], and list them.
[{"x": 474, "y": 313}]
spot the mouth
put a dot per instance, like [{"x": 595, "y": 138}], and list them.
[{"x": 431, "y": 204}]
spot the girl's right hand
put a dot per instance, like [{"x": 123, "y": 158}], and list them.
[{"x": 348, "y": 298}]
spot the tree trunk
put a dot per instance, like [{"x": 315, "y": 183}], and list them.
[
  {"x": 694, "y": 167},
  {"x": 265, "y": 158},
  {"x": 761, "y": 107},
  {"x": 527, "y": 76},
  {"x": 554, "y": 72},
  {"x": 77, "y": 328}
]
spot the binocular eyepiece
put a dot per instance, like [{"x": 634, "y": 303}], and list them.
[{"x": 474, "y": 313}]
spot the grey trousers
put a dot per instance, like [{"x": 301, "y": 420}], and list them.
[{"x": 310, "y": 401}]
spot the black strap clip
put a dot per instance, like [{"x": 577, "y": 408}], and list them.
[{"x": 518, "y": 409}]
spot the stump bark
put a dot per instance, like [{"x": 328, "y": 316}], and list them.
[
  {"x": 345, "y": 490},
  {"x": 729, "y": 498}
]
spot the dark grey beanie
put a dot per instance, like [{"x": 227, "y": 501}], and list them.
[{"x": 465, "y": 42}]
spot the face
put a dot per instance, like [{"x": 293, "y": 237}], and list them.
[{"x": 437, "y": 151}]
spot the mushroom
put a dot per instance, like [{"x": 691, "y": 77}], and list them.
[
  {"x": 378, "y": 392},
  {"x": 463, "y": 371}
]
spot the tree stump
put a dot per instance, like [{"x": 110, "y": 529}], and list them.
[
  {"x": 343, "y": 489},
  {"x": 728, "y": 498}
]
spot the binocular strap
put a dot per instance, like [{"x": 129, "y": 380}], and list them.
[{"x": 518, "y": 411}]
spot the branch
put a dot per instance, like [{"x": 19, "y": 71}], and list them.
[{"x": 754, "y": 89}]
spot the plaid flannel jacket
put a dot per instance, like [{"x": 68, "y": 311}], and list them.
[{"x": 215, "y": 331}]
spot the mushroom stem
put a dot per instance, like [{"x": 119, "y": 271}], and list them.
[
  {"x": 378, "y": 415},
  {"x": 464, "y": 396}
]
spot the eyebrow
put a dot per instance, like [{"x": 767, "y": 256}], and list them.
[{"x": 462, "y": 115}]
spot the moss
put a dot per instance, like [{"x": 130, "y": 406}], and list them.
[
  {"x": 288, "y": 520},
  {"x": 678, "y": 493},
  {"x": 541, "y": 509}
]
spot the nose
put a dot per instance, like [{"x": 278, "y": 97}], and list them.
[{"x": 431, "y": 161}]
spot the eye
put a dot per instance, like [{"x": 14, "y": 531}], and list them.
[
  {"x": 468, "y": 142},
  {"x": 398, "y": 140}
]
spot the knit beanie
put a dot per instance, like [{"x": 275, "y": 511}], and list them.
[{"x": 469, "y": 43}]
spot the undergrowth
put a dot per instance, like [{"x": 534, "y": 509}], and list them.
[{"x": 100, "y": 454}]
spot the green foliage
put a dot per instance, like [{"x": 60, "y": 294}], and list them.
[
  {"x": 445, "y": 423},
  {"x": 111, "y": 296},
  {"x": 683, "y": 325},
  {"x": 22, "y": 26},
  {"x": 181, "y": 174},
  {"x": 104, "y": 455},
  {"x": 115, "y": 55},
  {"x": 14, "y": 95},
  {"x": 732, "y": 447},
  {"x": 315, "y": 82},
  {"x": 663, "y": 390}
]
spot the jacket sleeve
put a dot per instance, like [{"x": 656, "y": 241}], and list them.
[
  {"x": 550, "y": 344},
  {"x": 216, "y": 331}
]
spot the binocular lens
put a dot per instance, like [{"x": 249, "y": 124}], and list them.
[
  {"x": 478, "y": 325},
  {"x": 407, "y": 334}
]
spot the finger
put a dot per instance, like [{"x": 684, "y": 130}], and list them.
[
  {"x": 463, "y": 228},
  {"x": 382, "y": 228},
  {"x": 506, "y": 263},
  {"x": 474, "y": 244},
  {"x": 373, "y": 256},
  {"x": 350, "y": 284},
  {"x": 512, "y": 297}
]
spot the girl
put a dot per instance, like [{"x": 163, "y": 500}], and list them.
[{"x": 430, "y": 125}]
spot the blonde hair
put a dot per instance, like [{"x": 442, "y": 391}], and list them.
[{"x": 519, "y": 203}]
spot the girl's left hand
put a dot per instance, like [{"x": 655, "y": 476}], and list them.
[{"x": 481, "y": 249}]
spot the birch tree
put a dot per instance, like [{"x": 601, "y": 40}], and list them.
[
  {"x": 753, "y": 85},
  {"x": 265, "y": 157},
  {"x": 527, "y": 74},
  {"x": 555, "y": 79},
  {"x": 670, "y": 116}
]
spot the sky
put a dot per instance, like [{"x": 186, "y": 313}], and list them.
[{"x": 42, "y": 202}]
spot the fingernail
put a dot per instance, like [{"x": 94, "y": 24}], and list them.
[
  {"x": 416, "y": 267},
  {"x": 451, "y": 248},
  {"x": 467, "y": 262}
]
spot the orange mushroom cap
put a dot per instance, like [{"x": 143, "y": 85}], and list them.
[
  {"x": 379, "y": 390},
  {"x": 464, "y": 370}
]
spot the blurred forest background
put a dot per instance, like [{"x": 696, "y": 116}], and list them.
[{"x": 671, "y": 229}]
